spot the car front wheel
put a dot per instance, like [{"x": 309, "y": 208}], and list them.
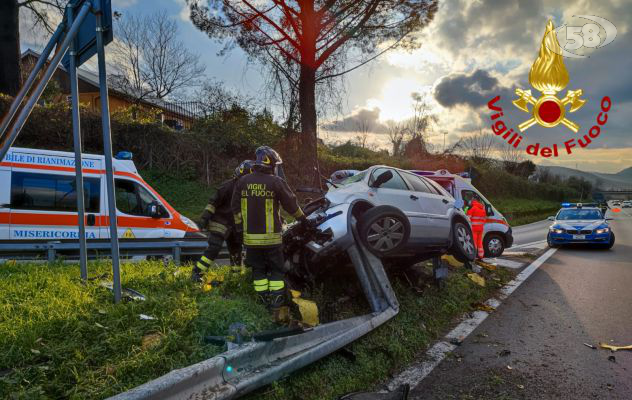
[
  {"x": 463, "y": 248},
  {"x": 384, "y": 230}
]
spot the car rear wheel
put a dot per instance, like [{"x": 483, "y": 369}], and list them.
[
  {"x": 494, "y": 245},
  {"x": 463, "y": 248},
  {"x": 384, "y": 230}
]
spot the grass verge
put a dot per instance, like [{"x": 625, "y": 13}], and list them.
[{"x": 62, "y": 339}]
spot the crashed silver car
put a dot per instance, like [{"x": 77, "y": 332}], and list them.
[{"x": 400, "y": 217}]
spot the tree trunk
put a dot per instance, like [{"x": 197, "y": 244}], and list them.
[
  {"x": 307, "y": 106},
  {"x": 10, "y": 78}
]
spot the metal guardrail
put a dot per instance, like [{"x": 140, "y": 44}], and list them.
[
  {"x": 254, "y": 364},
  {"x": 51, "y": 250}
]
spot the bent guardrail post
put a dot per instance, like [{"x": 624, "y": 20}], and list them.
[{"x": 255, "y": 364}]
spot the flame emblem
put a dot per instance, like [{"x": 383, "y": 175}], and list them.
[{"x": 549, "y": 75}]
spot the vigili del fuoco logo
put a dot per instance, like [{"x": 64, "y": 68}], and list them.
[{"x": 549, "y": 76}]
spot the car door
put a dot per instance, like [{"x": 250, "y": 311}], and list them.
[
  {"x": 395, "y": 192},
  {"x": 434, "y": 206},
  {"x": 134, "y": 218}
]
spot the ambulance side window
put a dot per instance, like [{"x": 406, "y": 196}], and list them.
[
  {"x": 468, "y": 195},
  {"x": 132, "y": 199},
  {"x": 31, "y": 191}
]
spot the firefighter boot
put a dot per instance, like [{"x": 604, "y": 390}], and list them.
[{"x": 280, "y": 306}]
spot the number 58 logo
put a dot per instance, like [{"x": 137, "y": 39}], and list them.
[{"x": 589, "y": 35}]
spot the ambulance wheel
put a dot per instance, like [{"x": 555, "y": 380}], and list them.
[
  {"x": 494, "y": 245},
  {"x": 463, "y": 247},
  {"x": 384, "y": 230}
]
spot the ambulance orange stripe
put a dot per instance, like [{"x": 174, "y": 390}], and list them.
[{"x": 62, "y": 220}]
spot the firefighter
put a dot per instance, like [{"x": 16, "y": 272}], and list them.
[
  {"x": 257, "y": 201},
  {"x": 477, "y": 215},
  {"x": 217, "y": 216}
]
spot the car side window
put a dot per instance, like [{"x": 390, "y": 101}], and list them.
[
  {"x": 416, "y": 183},
  {"x": 132, "y": 199},
  {"x": 436, "y": 187},
  {"x": 396, "y": 182}
]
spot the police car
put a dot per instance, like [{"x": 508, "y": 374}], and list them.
[{"x": 580, "y": 223}]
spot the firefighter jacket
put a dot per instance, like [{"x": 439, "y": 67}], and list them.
[
  {"x": 257, "y": 201},
  {"x": 477, "y": 215},
  {"x": 219, "y": 208}
]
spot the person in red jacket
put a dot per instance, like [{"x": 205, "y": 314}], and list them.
[{"x": 477, "y": 215}]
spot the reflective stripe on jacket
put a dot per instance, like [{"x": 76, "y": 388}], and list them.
[
  {"x": 477, "y": 215},
  {"x": 256, "y": 203}
]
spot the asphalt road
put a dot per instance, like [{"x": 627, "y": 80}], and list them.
[
  {"x": 532, "y": 347},
  {"x": 530, "y": 233}
]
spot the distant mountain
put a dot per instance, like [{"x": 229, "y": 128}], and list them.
[{"x": 620, "y": 180}]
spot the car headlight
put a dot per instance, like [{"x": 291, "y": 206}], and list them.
[
  {"x": 189, "y": 223},
  {"x": 602, "y": 230},
  {"x": 556, "y": 230}
]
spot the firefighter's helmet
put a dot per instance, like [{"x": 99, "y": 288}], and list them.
[
  {"x": 267, "y": 157},
  {"x": 244, "y": 168}
]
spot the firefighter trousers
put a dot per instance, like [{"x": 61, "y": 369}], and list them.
[
  {"x": 268, "y": 274},
  {"x": 215, "y": 242}
]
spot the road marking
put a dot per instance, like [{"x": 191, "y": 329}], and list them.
[
  {"x": 532, "y": 244},
  {"x": 437, "y": 353}
]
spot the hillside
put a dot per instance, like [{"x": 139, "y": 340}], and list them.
[{"x": 620, "y": 180}]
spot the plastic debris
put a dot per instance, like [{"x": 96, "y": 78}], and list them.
[
  {"x": 34, "y": 351},
  {"x": 509, "y": 367},
  {"x": 487, "y": 266},
  {"x": 520, "y": 386},
  {"x": 146, "y": 317},
  {"x": 476, "y": 278},
  {"x": 452, "y": 261},
  {"x": 483, "y": 307},
  {"x": 614, "y": 348},
  {"x": 590, "y": 345},
  {"x": 612, "y": 358},
  {"x": 308, "y": 309},
  {"x": 128, "y": 294}
]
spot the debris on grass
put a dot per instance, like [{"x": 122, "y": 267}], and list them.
[
  {"x": 487, "y": 266},
  {"x": 146, "y": 317},
  {"x": 476, "y": 278},
  {"x": 483, "y": 307},
  {"x": 452, "y": 261}
]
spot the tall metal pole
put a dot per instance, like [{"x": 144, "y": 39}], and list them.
[
  {"x": 6, "y": 141},
  {"x": 32, "y": 76},
  {"x": 76, "y": 133},
  {"x": 107, "y": 151}
]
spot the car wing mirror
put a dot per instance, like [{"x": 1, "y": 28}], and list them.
[
  {"x": 382, "y": 179},
  {"x": 156, "y": 210},
  {"x": 551, "y": 218},
  {"x": 489, "y": 210}
]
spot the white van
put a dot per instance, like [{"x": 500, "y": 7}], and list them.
[
  {"x": 38, "y": 200},
  {"x": 497, "y": 234}
]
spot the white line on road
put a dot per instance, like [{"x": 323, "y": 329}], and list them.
[
  {"x": 417, "y": 372},
  {"x": 526, "y": 245}
]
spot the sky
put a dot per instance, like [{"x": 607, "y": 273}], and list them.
[{"x": 471, "y": 52}]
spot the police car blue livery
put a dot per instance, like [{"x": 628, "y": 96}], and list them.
[{"x": 577, "y": 223}]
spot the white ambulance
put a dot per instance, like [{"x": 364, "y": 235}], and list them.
[
  {"x": 497, "y": 235},
  {"x": 38, "y": 200}
]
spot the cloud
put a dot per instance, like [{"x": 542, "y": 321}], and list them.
[
  {"x": 473, "y": 90},
  {"x": 363, "y": 119}
]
